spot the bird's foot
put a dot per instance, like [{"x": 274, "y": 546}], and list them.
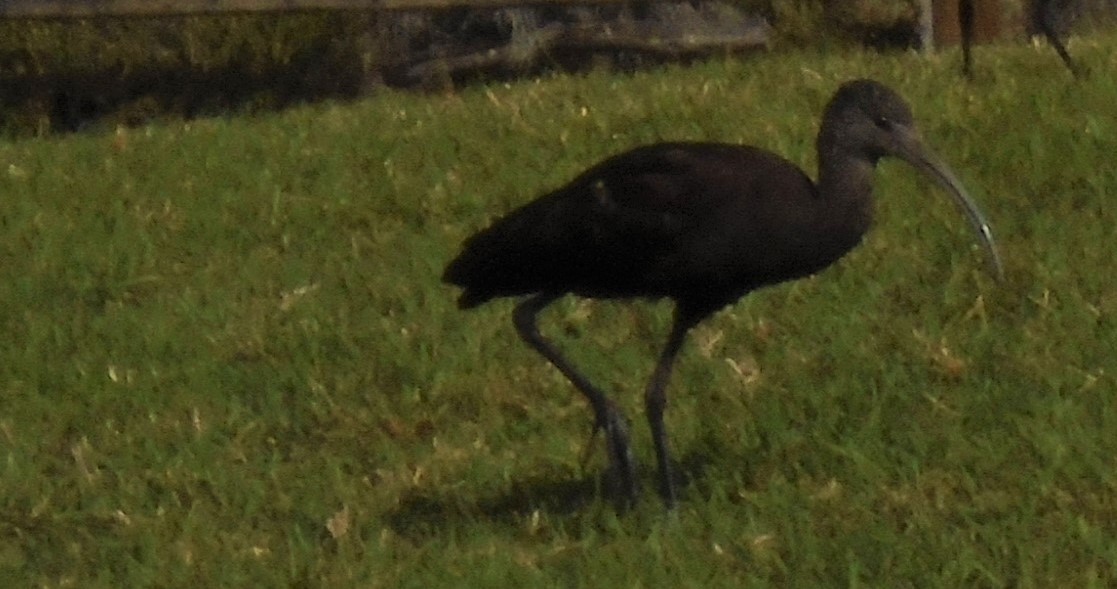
[
  {"x": 622, "y": 466},
  {"x": 621, "y": 463},
  {"x": 667, "y": 490}
]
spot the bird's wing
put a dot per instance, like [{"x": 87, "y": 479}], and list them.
[
  {"x": 667, "y": 191},
  {"x": 700, "y": 213},
  {"x": 638, "y": 223}
]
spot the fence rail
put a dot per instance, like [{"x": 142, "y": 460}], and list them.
[{"x": 94, "y": 8}]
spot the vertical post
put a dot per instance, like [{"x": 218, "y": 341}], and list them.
[{"x": 926, "y": 26}]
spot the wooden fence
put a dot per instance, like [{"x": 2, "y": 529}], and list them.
[
  {"x": 938, "y": 16},
  {"x": 92, "y": 8}
]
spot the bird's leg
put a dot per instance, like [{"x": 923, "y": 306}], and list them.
[
  {"x": 1045, "y": 18},
  {"x": 655, "y": 401},
  {"x": 606, "y": 416},
  {"x": 965, "y": 24}
]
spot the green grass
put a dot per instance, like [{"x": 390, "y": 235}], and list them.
[{"x": 228, "y": 360}]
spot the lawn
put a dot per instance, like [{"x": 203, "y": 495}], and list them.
[{"x": 229, "y": 360}]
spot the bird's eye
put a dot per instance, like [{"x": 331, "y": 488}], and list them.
[{"x": 883, "y": 122}]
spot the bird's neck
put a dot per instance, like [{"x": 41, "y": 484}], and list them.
[{"x": 846, "y": 185}]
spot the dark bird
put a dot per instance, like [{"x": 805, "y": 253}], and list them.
[
  {"x": 699, "y": 223},
  {"x": 1043, "y": 16}
]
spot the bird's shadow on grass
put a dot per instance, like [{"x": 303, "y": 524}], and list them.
[{"x": 424, "y": 514}]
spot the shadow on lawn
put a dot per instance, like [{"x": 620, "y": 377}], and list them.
[{"x": 423, "y": 514}]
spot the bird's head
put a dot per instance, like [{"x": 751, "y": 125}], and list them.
[{"x": 866, "y": 120}]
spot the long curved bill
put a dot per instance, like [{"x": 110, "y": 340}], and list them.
[{"x": 912, "y": 150}]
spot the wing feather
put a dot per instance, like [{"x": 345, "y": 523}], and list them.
[{"x": 618, "y": 228}]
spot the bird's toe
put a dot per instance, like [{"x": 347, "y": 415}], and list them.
[{"x": 621, "y": 462}]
